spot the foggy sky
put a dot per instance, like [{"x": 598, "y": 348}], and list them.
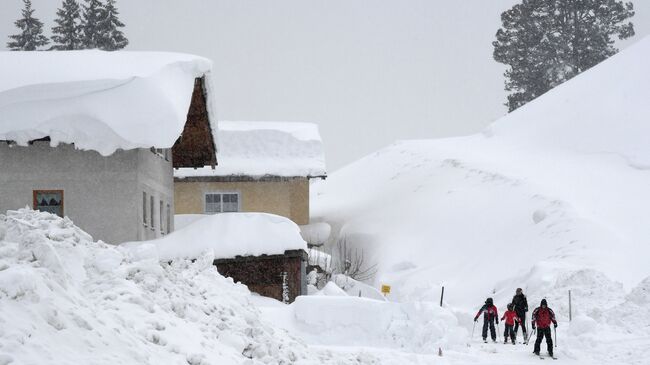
[{"x": 369, "y": 72}]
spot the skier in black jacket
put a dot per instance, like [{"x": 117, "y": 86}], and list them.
[
  {"x": 490, "y": 316},
  {"x": 520, "y": 303}
]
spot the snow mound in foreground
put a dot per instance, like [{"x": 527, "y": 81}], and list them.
[
  {"x": 65, "y": 299},
  {"x": 354, "y": 321},
  {"x": 224, "y": 235}
]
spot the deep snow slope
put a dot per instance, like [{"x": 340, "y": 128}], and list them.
[
  {"x": 65, "y": 299},
  {"x": 550, "y": 198}
]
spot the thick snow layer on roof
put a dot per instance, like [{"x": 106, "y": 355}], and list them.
[
  {"x": 256, "y": 149},
  {"x": 226, "y": 235},
  {"x": 100, "y": 101}
]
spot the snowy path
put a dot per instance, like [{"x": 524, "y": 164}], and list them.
[{"x": 478, "y": 353}]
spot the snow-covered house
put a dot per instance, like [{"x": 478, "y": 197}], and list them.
[
  {"x": 89, "y": 135},
  {"x": 263, "y": 167}
]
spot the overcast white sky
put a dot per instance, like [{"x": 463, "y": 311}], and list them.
[{"x": 369, "y": 72}]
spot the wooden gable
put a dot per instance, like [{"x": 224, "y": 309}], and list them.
[{"x": 195, "y": 147}]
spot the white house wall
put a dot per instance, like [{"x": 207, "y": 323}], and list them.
[{"x": 102, "y": 195}]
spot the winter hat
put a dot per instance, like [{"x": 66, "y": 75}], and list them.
[
  {"x": 489, "y": 301},
  {"x": 519, "y": 291},
  {"x": 544, "y": 304},
  {"x": 510, "y": 306}
]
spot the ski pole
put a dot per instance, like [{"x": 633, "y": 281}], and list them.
[
  {"x": 531, "y": 335},
  {"x": 473, "y": 328},
  {"x": 555, "y": 333},
  {"x": 498, "y": 329}
]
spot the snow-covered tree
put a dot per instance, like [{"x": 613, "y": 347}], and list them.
[
  {"x": 31, "y": 35},
  {"x": 67, "y": 34},
  {"x": 93, "y": 13},
  {"x": 111, "y": 38},
  {"x": 547, "y": 42}
]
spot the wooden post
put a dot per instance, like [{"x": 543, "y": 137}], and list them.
[
  {"x": 570, "y": 314},
  {"x": 442, "y": 295}
]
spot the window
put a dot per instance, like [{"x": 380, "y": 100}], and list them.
[
  {"x": 169, "y": 219},
  {"x": 49, "y": 201},
  {"x": 162, "y": 230},
  {"x": 151, "y": 210},
  {"x": 144, "y": 208},
  {"x": 221, "y": 203}
]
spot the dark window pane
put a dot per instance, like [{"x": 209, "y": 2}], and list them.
[{"x": 49, "y": 201}]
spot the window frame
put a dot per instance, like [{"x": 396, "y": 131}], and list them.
[
  {"x": 144, "y": 209},
  {"x": 161, "y": 218},
  {"x": 152, "y": 219},
  {"x": 221, "y": 193},
  {"x": 51, "y": 191},
  {"x": 169, "y": 219}
]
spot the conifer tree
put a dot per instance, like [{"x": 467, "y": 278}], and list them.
[
  {"x": 92, "y": 14},
  {"x": 111, "y": 38},
  {"x": 31, "y": 36},
  {"x": 67, "y": 35},
  {"x": 547, "y": 42}
]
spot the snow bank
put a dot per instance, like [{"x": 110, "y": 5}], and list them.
[
  {"x": 65, "y": 299},
  {"x": 257, "y": 149},
  {"x": 101, "y": 101},
  {"x": 351, "y": 321},
  {"x": 225, "y": 235},
  {"x": 332, "y": 290},
  {"x": 356, "y": 288}
]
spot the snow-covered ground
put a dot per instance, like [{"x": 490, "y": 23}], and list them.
[
  {"x": 551, "y": 198},
  {"x": 65, "y": 299}
]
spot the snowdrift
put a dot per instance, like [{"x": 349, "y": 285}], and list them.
[
  {"x": 65, "y": 299},
  {"x": 101, "y": 101},
  {"x": 550, "y": 198},
  {"x": 335, "y": 319}
]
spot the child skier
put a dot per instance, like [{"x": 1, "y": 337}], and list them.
[
  {"x": 511, "y": 317},
  {"x": 490, "y": 315}
]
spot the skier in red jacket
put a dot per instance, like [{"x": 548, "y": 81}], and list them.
[
  {"x": 490, "y": 315},
  {"x": 542, "y": 317},
  {"x": 510, "y": 316}
]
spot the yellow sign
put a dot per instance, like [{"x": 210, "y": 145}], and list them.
[{"x": 385, "y": 289}]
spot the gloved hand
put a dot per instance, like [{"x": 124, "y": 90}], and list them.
[
  {"x": 533, "y": 326},
  {"x": 555, "y": 325},
  {"x": 497, "y": 321},
  {"x": 475, "y": 319}
]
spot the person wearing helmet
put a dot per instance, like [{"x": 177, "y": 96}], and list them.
[
  {"x": 490, "y": 316},
  {"x": 510, "y": 316},
  {"x": 520, "y": 303},
  {"x": 542, "y": 318}
]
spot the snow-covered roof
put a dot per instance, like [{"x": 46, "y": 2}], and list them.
[
  {"x": 100, "y": 101},
  {"x": 257, "y": 149},
  {"x": 226, "y": 235}
]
